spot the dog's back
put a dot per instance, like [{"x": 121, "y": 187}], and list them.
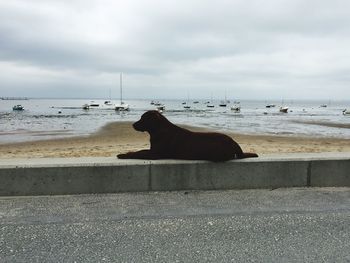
[{"x": 184, "y": 144}]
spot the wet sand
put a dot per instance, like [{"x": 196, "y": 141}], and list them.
[{"x": 120, "y": 137}]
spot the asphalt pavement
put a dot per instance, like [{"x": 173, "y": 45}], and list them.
[{"x": 280, "y": 225}]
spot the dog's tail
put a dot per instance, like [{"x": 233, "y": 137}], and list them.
[{"x": 249, "y": 155}]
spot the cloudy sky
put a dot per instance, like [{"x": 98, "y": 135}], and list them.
[{"x": 248, "y": 49}]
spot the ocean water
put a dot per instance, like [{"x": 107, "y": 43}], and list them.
[{"x": 54, "y": 118}]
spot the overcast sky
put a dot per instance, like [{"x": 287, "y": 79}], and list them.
[{"x": 248, "y": 49}]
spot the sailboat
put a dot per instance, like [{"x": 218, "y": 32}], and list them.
[
  {"x": 236, "y": 107},
  {"x": 121, "y": 106},
  {"x": 109, "y": 102},
  {"x": 283, "y": 109},
  {"x": 223, "y": 103},
  {"x": 17, "y": 107},
  {"x": 210, "y": 103},
  {"x": 187, "y": 106}
]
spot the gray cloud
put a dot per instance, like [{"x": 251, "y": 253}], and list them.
[{"x": 249, "y": 49}]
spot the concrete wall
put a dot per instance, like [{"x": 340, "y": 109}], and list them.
[{"x": 110, "y": 175}]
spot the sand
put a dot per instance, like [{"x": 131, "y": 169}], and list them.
[{"x": 119, "y": 137}]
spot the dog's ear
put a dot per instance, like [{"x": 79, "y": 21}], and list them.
[
  {"x": 149, "y": 121},
  {"x": 157, "y": 115},
  {"x": 152, "y": 116}
]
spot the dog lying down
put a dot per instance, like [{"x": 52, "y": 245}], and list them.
[{"x": 169, "y": 141}]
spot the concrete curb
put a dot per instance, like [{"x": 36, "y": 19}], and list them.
[{"x": 109, "y": 175}]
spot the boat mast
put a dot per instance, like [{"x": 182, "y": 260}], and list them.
[{"x": 121, "y": 88}]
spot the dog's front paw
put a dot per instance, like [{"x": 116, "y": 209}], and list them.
[{"x": 122, "y": 156}]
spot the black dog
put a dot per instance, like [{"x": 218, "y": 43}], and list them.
[{"x": 169, "y": 141}]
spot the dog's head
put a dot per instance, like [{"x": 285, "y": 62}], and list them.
[{"x": 150, "y": 121}]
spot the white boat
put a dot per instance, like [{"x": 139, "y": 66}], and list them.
[
  {"x": 210, "y": 103},
  {"x": 270, "y": 106},
  {"x": 18, "y": 107},
  {"x": 94, "y": 105},
  {"x": 109, "y": 102},
  {"x": 236, "y": 107},
  {"x": 121, "y": 106},
  {"x": 106, "y": 105},
  {"x": 224, "y": 102},
  {"x": 346, "y": 112},
  {"x": 284, "y": 109},
  {"x": 86, "y": 106},
  {"x": 160, "y": 108},
  {"x": 187, "y": 103}
]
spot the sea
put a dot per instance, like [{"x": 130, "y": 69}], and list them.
[{"x": 58, "y": 118}]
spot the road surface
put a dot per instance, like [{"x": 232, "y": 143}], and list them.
[{"x": 280, "y": 225}]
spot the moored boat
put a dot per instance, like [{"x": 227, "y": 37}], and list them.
[
  {"x": 284, "y": 109},
  {"x": 94, "y": 104},
  {"x": 236, "y": 107},
  {"x": 160, "y": 108},
  {"x": 18, "y": 107},
  {"x": 121, "y": 106},
  {"x": 86, "y": 106}
]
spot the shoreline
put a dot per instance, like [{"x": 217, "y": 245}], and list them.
[
  {"x": 118, "y": 137},
  {"x": 325, "y": 124}
]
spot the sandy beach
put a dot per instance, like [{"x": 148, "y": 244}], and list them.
[{"x": 120, "y": 137}]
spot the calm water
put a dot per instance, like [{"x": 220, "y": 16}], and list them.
[{"x": 41, "y": 118}]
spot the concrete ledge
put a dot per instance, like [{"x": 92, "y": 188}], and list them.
[{"x": 110, "y": 175}]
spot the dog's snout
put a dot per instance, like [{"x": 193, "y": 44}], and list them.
[{"x": 138, "y": 126}]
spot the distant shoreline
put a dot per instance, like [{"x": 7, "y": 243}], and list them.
[{"x": 325, "y": 123}]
